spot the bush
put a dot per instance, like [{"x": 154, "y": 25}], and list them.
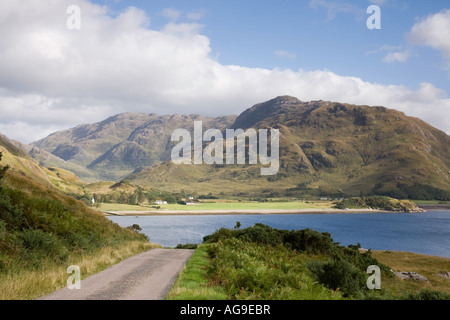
[
  {"x": 187, "y": 246},
  {"x": 341, "y": 275},
  {"x": 311, "y": 241},
  {"x": 300, "y": 240},
  {"x": 427, "y": 294},
  {"x": 260, "y": 258}
]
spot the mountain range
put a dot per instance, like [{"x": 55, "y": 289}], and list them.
[{"x": 326, "y": 148}]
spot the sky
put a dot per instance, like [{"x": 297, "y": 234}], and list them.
[{"x": 70, "y": 62}]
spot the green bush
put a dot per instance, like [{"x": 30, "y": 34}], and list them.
[
  {"x": 340, "y": 274},
  {"x": 427, "y": 294},
  {"x": 262, "y": 262},
  {"x": 187, "y": 246},
  {"x": 310, "y": 240}
]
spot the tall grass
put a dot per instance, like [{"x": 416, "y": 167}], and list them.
[{"x": 22, "y": 284}]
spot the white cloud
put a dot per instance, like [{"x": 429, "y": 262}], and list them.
[
  {"x": 434, "y": 32},
  {"x": 195, "y": 15},
  {"x": 395, "y": 53},
  {"x": 398, "y": 56},
  {"x": 171, "y": 14},
  {"x": 53, "y": 78},
  {"x": 285, "y": 54}
]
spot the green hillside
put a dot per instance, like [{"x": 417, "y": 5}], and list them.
[{"x": 43, "y": 230}]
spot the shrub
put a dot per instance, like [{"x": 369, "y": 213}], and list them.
[
  {"x": 186, "y": 246},
  {"x": 339, "y": 274},
  {"x": 427, "y": 294},
  {"x": 311, "y": 241}
]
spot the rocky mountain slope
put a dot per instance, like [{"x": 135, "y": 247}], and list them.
[{"x": 115, "y": 147}]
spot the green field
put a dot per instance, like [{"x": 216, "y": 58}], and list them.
[{"x": 207, "y": 206}]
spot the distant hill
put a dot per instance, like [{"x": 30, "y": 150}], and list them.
[
  {"x": 326, "y": 149},
  {"x": 115, "y": 147}
]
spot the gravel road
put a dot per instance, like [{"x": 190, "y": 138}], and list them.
[{"x": 147, "y": 276}]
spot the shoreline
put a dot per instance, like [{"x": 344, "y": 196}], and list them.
[{"x": 245, "y": 212}]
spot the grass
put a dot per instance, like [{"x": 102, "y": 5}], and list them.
[
  {"x": 25, "y": 284},
  {"x": 222, "y": 205},
  {"x": 43, "y": 231},
  {"x": 430, "y": 202},
  {"x": 425, "y": 265},
  {"x": 249, "y": 264},
  {"x": 193, "y": 284}
]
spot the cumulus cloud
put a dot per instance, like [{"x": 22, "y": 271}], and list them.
[
  {"x": 54, "y": 78},
  {"x": 433, "y": 31}
]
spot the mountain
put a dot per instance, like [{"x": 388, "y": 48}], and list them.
[
  {"x": 326, "y": 148},
  {"x": 329, "y": 149},
  {"x": 115, "y": 147}
]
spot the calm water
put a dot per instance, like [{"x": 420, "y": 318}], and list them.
[{"x": 427, "y": 233}]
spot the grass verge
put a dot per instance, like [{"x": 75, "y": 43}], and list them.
[
  {"x": 192, "y": 283},
  {"x": 24, "y": 284}
]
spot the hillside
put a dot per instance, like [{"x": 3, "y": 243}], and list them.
[
  {"x": 43, "y": 230},
  {"x": 21, "y": 164},
  {"x": 326, "y": 149},
  {"x": 115, "y": 147}
]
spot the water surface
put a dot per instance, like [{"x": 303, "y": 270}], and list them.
[{"x": 426, "y": 233}]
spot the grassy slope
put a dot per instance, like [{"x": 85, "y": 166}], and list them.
[
  {"x": 43, "y": 231},
  {"x": 60, "y": 179},
  {"x": 425, "y": 265}
]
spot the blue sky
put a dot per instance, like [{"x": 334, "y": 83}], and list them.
[
  {"x": 310, "y": 35},
  {"x": 216, "y": 57}
]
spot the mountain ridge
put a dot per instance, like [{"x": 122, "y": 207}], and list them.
[{"x": 328, "y": 145}]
